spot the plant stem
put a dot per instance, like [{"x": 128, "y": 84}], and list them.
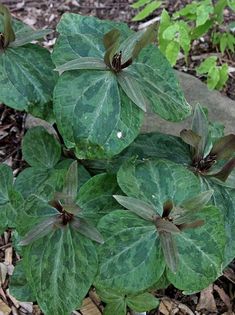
[{"x": 137, "y": 313}]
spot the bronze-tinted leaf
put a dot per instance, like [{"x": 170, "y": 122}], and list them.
[
  {"x": 40, "y": 230},
  {"x": 71, "y": 184},
  {"x": 198, "y": 202},
  {"x": 166, "y": 226},
  {"x": 111, "y": 44},
  {"x": 169, "y": 250},
  {"x": 139, "y": 207},
  {"x": 192, "y": 225},
  {"x": 86, "y": 229},
  {"x": 224, "y": 173},
  {"x": 147, "y": 38},
  {"x": 9, "y": 35},
  {"x": 190, "y": 137},
  {"x": 224, "y": 148},
  {"x": 133, "y": 89},
  {"x": 200, "y": 127},
  {"x": 82, "y": 63}
]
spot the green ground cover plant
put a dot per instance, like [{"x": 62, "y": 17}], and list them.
[
  {"x": 99, "y": 204},
  {"x": 178, "y": 32}
]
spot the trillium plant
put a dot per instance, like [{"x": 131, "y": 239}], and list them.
[{"x": 100, "y": 206}]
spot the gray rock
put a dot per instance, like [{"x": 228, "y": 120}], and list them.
[{"x": 220, "y": 108}]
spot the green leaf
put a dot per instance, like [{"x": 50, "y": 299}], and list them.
[
  {"x": 60, "y": 269},
  {"x": 155, "y": 145},
  {"x": 142, "y": 302},
  {"x": 90, "y": 130},
  {"x": 82, "y": 63},
  {"x": 140, "y": 208},
  {"x": 134, "y": 241},
  {"x": 149, "y": 9},
  {"x": 133, "y": 90},
  {"x": 206, "y": 65},
  {"x": 172, "y": 52},
  {"x": 224, "y": 199},
  {"x": 148, "y": 181},
  {"x": 224, "y": 75},
  {"x": 117, "y": 308},
  {"x": 203, "y": 13},
  {"x": 165, "y": 22},
  {"x": 41, "y": 149},
  {"x": 11, "y": 201},
  {"x": 139, "y": 3},
  {"x": 26, "y": 36},
  {"x": 19, "y": 287},
  {"x": 43, "y": 182},
  {"x": 5, "y": 183},
  {"x": 30, "y": 83},
  {"x": 165, "y": 97},
  {"x": 213, "y": 78},
  {"x": 209, "y": 254},
  {"x": 96, "y": 197},
  {"x": 199, "y": 31},
  {"x": 231, "y": 4}
]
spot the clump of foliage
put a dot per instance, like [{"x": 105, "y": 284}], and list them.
[
  {"x": 103, "y": 206},
  {"x": 178, "y": 32}
]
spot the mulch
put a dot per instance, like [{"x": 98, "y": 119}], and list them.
[{"x": 219, "y": 298}]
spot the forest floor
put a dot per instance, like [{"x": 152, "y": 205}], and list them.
[{"x": 219, "y": 298}]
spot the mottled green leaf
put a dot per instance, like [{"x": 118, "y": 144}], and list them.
[
  {"x": 30, "y": 84},
  {"x": 19, "y": 287},
  {"x": 41, "y": 149},
  {"x": 43, "y": 182},
  {"x": 11, "y": 201},
  {"x": 142, "y": 302},
  {"x": 5, "y": 183},
  {"x": 165, "y": 97},
  {"x": 90, "y": 130},
  {"x": 134, "y": 241},
  {"x": 60, "y": 269},
  {"x": 197, "y": 256},
  {"x": 158, "y": 181},
  {"x": 96, "y": 197}
]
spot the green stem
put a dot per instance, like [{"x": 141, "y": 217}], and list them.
[{"x": 8, "y": 33}]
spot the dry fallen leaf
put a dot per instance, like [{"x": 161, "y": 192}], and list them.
[
  {"x": 89, "y": 308},
  {"x": 224, "y": 297},
  {"x": 207, "y": 301},
  {"x": 171, "y": 307},
  {"x": 4, "y": 308}
]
